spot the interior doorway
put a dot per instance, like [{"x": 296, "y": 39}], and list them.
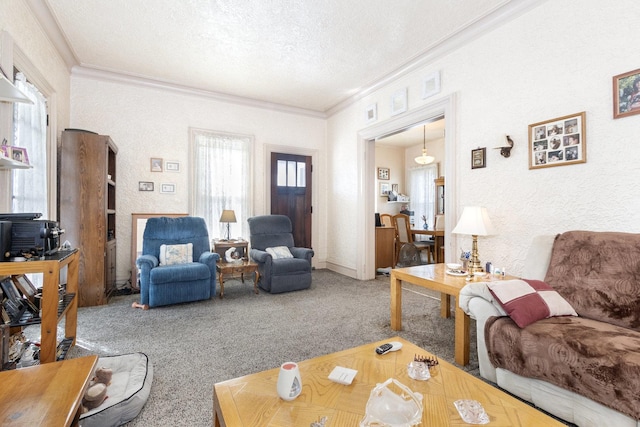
[{"x": 445, "y": 107}]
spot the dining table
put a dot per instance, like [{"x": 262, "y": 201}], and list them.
[{"x": 438, "y": 236}]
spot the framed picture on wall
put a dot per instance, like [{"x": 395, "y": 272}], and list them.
[
  {"x": 558, "y": 142},
  {"x": 478, "y": 158},
  {"x": 385, "y": 188},
  {"x": 145, "y": 186},
  {"x": 626, "y": 94},
  {"x": 171, "y": 166},
  {"x": 168, "y": 188},
  {"x": 383, "y": 173},
  {"x": 156, "y": 164}
]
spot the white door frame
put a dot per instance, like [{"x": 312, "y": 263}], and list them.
[{"x": 366, "y": 172}]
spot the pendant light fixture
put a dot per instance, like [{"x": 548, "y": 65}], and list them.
[{"x": 424, "y": 159}]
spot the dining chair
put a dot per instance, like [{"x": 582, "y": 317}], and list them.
[
  {"x": 403, "y": 235},
  {"x": 386, "y": 220}
]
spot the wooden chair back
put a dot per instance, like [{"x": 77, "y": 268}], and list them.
[
  {"x": 386, "y": 220},
  {"x": 403, "y": 228}
]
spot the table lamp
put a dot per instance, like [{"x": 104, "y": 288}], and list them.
[
  {"x": 474, "y": 221},
  {"x": 228, "y": 216}
]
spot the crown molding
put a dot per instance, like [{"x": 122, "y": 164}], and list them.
[
  {"x": 140, "y": 81},
  {"x": 49, "y": 24},
  {"x": 493, "y": 19},
  {"x": 474, "y": 30}
]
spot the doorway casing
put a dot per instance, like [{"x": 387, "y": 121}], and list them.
[{"x": 366, "y": 171}]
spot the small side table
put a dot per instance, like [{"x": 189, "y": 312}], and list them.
[
  {"x": 228, "y": 268},
  {"x": 221, "y": 246}
]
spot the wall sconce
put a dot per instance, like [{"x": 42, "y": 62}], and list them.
[{"x": 506, "y": 146}]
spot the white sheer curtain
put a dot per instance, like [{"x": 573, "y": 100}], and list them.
[
  {"x": 30, "y": 132},
  {"x": 422, "y": 191},
  {"x": 221, "y": 180}
]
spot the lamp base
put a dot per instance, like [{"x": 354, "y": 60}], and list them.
[{"x": 474, "y": 262}]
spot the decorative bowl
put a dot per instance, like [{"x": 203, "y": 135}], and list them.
[{"x": 454, "y": 266}]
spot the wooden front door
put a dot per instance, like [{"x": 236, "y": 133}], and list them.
[{"x": 291, "y": 193}]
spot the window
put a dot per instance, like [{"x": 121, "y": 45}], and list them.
[
  {"x": 221, "y": 179},
  {"x": 29, "y": 186},
  {"x": 291, "y": 173},
  {"x": 422, "y": 190}
]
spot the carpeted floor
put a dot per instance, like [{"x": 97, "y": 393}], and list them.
[{"x": 192, "y": 346}]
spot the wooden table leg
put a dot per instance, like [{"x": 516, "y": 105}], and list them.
[
  {"x": 255, "y": 282},
  {"x": 445, "y": 305},
  {"x": 221, "y": 285},
  {"x": 396, "y": 303},
  {"x": 462, "y": 324}
]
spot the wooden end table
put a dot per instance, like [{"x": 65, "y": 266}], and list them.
[
  {"x": 434, "y": 277},
  {"x": 252, "y": 400},
  {"x": 230, "y": 268}
]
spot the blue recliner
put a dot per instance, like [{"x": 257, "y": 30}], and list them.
[
  {"x": 181, "y": 281},
  {"x": 290, "y": 273}
]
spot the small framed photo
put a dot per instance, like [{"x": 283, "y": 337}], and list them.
[
  {"x": 156, "y": 164},
  {"x": 399, "y": 102},
  {"x": 145, "y": 186},
  {"x": 24, "y": 285},
  {"x": 383, "y": 173},
  {"x": 385, "y": 188},
  {"x": 478, "y": 158},
  {"x": 167, "y": 188},
  {"x": 19, "y": 154},
  {"x": 558, "y": 142},
  {"x": 626, "y": 94},
  {"x": 171, "y": 166},
  {"x": 431, "y": 85},
  {"x": 371, "y": 113}
]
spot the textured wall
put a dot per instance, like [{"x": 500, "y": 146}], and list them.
[
  {"x": 20, "y": 31},
  {"x": 148, "y": 123},
  {"x": 557, "y": 59}
]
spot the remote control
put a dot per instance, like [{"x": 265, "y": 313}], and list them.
[{"x": 388, "y": 347}]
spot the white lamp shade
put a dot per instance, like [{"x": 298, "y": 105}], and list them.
[{"x": 474, "y": 221}]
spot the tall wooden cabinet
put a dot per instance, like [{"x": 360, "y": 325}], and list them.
[{"x": 87, "y": 210}]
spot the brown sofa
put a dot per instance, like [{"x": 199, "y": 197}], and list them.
[{"x": 592, "y": 361}]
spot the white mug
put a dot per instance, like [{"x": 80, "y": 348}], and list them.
[{"x": 289, "y": 384}]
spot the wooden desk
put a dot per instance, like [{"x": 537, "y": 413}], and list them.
[
  {"x": 252, "y": 400},
  {"x": 439, "y": 242},
  {"x": 433, "y": 277},
  {"x": 45, "y": 395},
  {"x": 50, "y": 267}
]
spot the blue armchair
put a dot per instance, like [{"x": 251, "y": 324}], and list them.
[
  {"x": 179, "y": 278},
  {"x": 290, "y": 273}
]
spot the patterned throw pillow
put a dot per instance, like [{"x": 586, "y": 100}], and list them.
[
  {"x": 176, "y": 254},
  {"x": 527, "y": 301},
  {"x": 279, "y": 252}
]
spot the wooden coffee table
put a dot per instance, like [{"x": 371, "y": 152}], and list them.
[
  {"x": 241, "y": 268},
  {"x": 47, "y": 394},
  {"x": 434, "y": 277},
  {"x": 252, "y": 400}
]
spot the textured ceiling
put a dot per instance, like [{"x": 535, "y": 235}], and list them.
[{"x": 297, "y": 53}]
